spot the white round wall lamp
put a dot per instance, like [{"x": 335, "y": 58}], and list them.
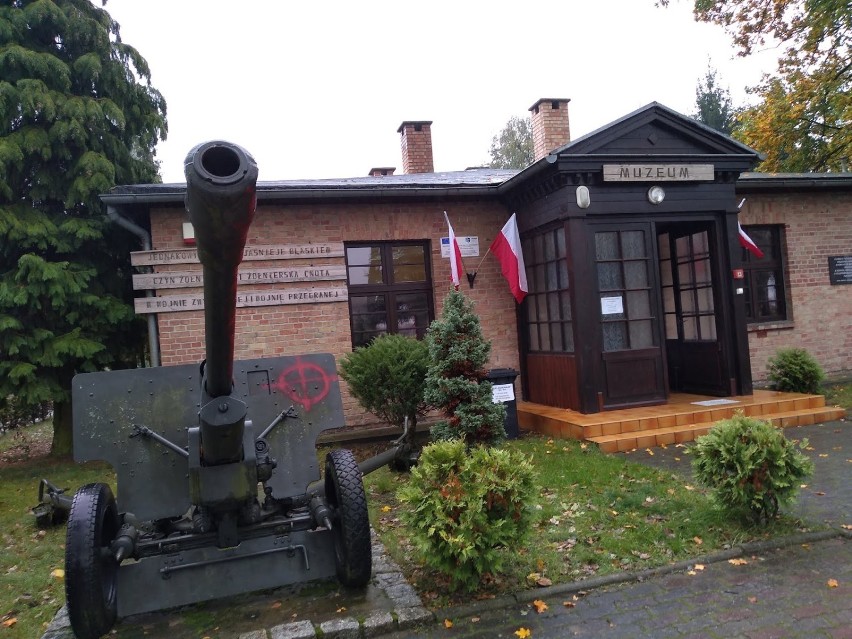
[
  {"x": 656, "y": 194},
  {"x": 583, "y": 198}
]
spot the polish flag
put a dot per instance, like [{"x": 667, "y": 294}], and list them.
[
  {"x": 747, "y": 243},
  {"x": 456, "y": 267},
  {"x": 507, "y": 247}
]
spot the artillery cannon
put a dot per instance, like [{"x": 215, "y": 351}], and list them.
[{"x": 218, "y": 484}]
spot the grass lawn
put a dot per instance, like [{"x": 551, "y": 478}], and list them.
[{"x": 597, "y": 514}]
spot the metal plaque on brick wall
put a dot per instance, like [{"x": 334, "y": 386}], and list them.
[{"x": 840, "y": 269}]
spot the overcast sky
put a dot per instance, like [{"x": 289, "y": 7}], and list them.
[{"x": 318, "y": 89}]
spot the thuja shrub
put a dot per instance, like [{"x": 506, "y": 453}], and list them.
[
  {"x": 750, "y": 466},
  {"x": 387, "y": 378},
  {"x": 463, "y": 505},
  {"x": 456, "y": 381},
  {"x": 795, "y": 370}
]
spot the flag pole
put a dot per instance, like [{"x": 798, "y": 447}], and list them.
[{"x": 472, "y": 276}]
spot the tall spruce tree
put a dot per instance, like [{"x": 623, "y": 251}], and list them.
[
  {"x": 713, "y": 104},
  {"x": 456, "y": 380},
  {"x": 77, "y": 116}
]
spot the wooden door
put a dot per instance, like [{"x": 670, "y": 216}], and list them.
[
  {"x": 633, "y": 370},
  {"x": 694, "y": 350}
]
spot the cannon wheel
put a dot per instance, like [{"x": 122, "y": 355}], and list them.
[
  {"x": 91, "y": 571},
  {"x": 344, "y": 490}
]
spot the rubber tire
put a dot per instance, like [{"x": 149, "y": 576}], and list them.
[
  {"x": 344, "y": 491},
  {"x": 91, "y": 571}
]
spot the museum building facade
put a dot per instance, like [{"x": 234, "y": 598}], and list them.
[{"x": 638, "y": 284}]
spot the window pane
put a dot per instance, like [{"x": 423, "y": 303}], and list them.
[
  {"x": 532, "y": 315},
  {"x": 702, "y": 271},
  {"x": 606, "y": 246},
  {"x": 542, "y": 308},
  {"x": 556, "y": 332},
  {"x": 565, "y": 305},
  {"x": 707, "y": 323},
  {"x": 561, "y": 252},
  {"x": 687, "y": 302},
  {"x": 666, "y": 273},
  {"x": 412, "y": 314},
  {"x": 636, "y": 274},
  {"x": 549, "y": 247},
  {"x": 563, "y": 273},
  {"x": 705, "y": 299},
  {"x": 545, "y": 337},
  {"x": 640, "y": 334},
  {"x": 684, "y": 274},
  {"x": 615, "y": 336},
  {"x": 568, "y": 337},
  {"x": 553, "y": 306},
  {"x": 609, "y": 276},
  {"x": 363, "y": 255},
  {"x": 534, "y": 344},
  {"x": 671, "y": 326},
  {"x": 409, "y": 264},
  {"x": 552, "y": 278},
  {"x": 668, "y": 300},
  {"x": 639, "y": 304},
  {"x": 633, "y": 244},
  {"x": 365, "y": 275},
  {"x": 663, "y": 246},
  {"x": 690, "y": 330}
]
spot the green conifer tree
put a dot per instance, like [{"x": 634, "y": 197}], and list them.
[
  {"x": 456, "y": 380},
  {"x": 77, "y": 116}
]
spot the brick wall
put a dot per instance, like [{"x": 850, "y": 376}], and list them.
[
  {"x": 324, "y": 327},
  {"x": 817, "y": 225}
]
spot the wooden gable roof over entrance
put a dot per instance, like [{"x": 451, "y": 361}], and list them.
[{"x": 653, "y": 133}]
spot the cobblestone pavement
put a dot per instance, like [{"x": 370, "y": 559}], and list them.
[{"x": 783, "y": 593}]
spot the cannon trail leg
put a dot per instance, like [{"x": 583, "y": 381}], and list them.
[
  {"x": 90, "y": 568},
  {"x": 344, "y": 490}
]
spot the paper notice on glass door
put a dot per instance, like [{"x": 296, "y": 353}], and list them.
[{"x": 612, "y": 306}]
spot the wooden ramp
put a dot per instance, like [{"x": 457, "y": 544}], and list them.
[{"x": 682, "y": 419}]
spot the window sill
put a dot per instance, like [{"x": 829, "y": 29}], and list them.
[{"x": 779, "y": 325}]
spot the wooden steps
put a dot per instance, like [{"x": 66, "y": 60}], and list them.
[{"x": 681, "y": 420}]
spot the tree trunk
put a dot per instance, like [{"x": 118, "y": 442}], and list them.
[{"x": 62, "y": 433}]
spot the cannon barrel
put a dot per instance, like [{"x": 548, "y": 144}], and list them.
[{"x": 221, "y": 181}]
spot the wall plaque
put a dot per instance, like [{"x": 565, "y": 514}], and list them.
[
  {"x": 253, "y": 252},
  {"x": 658, "y": 172},
  {"x": 840, "y": 269},
  {"x": 186, "y": 279},
  {"x": 274, "y": 297}
]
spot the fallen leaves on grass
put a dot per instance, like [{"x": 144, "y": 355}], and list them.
[
  {"x": 448, "y": 623},
  {"x": 8, "y": 623},
  {"x": 832, "y": 583},
  {"x": 58, "y": 573},
  {"x": 738, "y": 562},
  {"x": 523, "y": 633}
]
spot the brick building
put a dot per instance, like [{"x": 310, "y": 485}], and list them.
[{"x": 638, "y": 285}]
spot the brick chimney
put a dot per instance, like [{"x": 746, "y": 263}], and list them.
[
  {"x": 549, "y": 125},
  {"x": 416, "y": 147},
  {"x": 379, "y": 171}
]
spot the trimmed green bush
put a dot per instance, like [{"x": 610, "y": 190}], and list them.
[
  {"x": 466, "y": 504},
  {"x": 795, "y": 370},
  {"x": 456, "y": 381},
  {"x": 750, "y": 465},
  {"x": 387, "y": 378}
]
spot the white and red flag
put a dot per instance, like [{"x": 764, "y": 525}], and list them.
[
  {"x": 747, "y": 243},
  {"x": 507, "y": 247},
  {"x": 456, "y": 267}
]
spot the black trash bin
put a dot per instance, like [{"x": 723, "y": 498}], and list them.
[{"x": 503, "y": 390}]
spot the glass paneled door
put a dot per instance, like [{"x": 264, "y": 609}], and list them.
[
  {"x": 694, "y": 353},
  {"x": 631, "y": 353}
]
